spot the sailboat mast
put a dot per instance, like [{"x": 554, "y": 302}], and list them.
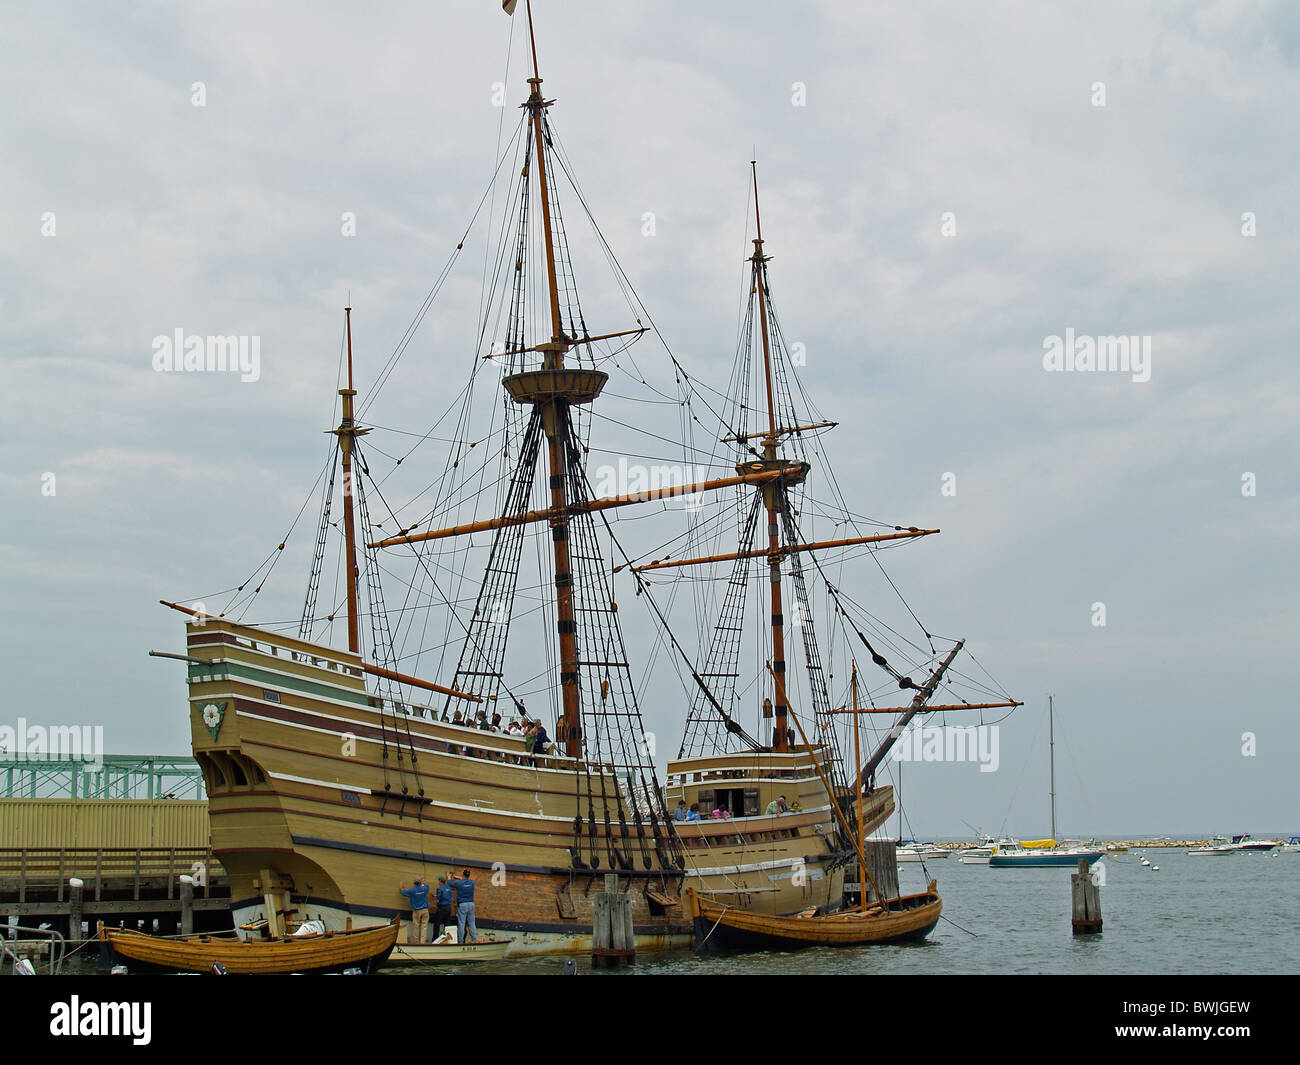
[
  {"x": 773, "y": 494},
  {"x": 347, "y": 434},
  {"x": 1051, "y": 759}
]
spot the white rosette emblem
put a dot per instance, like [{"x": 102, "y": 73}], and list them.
[{"x": 213, "y": 714}]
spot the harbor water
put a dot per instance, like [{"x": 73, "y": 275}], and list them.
[
  {"x": 1232, "y": 915},
  {"x": 1194, "y": 916}
]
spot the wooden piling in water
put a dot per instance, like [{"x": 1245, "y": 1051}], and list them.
[
  {"x": 1085, "y": 899},
  {"x": 187, "y": 905},
  {"x": 75, "y": 894},
  {"x": 613, "y": 940}
]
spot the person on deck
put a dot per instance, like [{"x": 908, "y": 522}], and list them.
[
  {"x": 419, "y": 896},
  {"x": 464, "y": 888},
  {"x": 442, "y": 915},
  {"x": 679, "y": 814},
  {"x": 777, "y": 806},
  {"x": 693, "y": 814}
]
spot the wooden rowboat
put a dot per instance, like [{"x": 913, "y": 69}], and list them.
[
  {"x": 443, "y": 953},
  {"x": 366, "y": 949},
  {"x": 718, "y": 927}
]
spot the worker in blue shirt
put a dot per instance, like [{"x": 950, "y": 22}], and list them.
[
  {"x": 419, "y": 896},
  {"x": 442, "y": 916},
  {"x": 464, "y": 888}
]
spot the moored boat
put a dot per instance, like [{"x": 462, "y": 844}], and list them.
[
  {"x": 1244, "y": 842},
  {"x": 331, "y": 780},
  {"x": 363, "y": 949},
  {"x": 1043, "y": 853},
  {"x": 1014, "y": 855},
  {"x": 450, "y": 953},
  {"x": 912, "y": 852},
  {"x": 979, "y": 854},
  {"x": 718, "y": 927}
]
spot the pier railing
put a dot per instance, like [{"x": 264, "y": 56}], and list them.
[{"x": 113, "y": 869}]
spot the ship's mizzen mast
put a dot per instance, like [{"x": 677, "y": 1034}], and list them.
[
  {"x": 774, "y": 496},
  {"x": 765, "y": 455}
]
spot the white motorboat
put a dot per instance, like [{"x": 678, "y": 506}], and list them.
[
  {"x": 978, "y": 855},
  {"x": 1244, "y": 842},
  {"x": 911, "y": 851}
]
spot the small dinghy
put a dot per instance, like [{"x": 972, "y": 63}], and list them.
[{"x": 446, "y": 950}]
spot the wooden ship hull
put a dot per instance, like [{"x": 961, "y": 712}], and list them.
[
  {"x": 323, "y": 799},
  {"x": 332, "y": 952},
  {"x": 303, "y": 810},
  {"x": 720, "y": 928}
]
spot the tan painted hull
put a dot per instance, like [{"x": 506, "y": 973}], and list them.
[{"x": 326, "y": 804}]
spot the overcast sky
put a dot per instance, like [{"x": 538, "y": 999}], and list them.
[{"x": 1110, "y": 169}]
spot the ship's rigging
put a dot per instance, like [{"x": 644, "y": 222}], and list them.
[{"x": 529, "y": 466}]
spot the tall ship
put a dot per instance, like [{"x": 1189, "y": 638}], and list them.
[{"x": 335, "y": 775}]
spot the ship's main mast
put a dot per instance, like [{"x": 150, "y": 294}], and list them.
[{"x": 553, "y": 390}]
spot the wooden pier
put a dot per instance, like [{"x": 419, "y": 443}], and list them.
[{"x": 118, "y": 885}]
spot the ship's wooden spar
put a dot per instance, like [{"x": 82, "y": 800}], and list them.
[
  {"x": 571, "y": 341},
  {"x": 868, "y": 771},
  {"x": 552, "y": 513},
  {"x": 367, "y": 667},
  {"x": 928, "y": 709},
  {"x": 784, "y": 550},
  {"x": 780, "y": 432}
]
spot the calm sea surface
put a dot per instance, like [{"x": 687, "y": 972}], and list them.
[
  {"x": 1237, "y": 914},
  {"x": 1194, "y": 916}
]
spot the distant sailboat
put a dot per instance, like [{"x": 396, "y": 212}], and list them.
[{"x": 1043, "y": 853}]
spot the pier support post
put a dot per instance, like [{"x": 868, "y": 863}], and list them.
[
  {"x": 75, "y": 889},
  {"x": 1085, "y": 899},
  {"x": 187, "y": 904},
  {"x": 613, "y": 941}
]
